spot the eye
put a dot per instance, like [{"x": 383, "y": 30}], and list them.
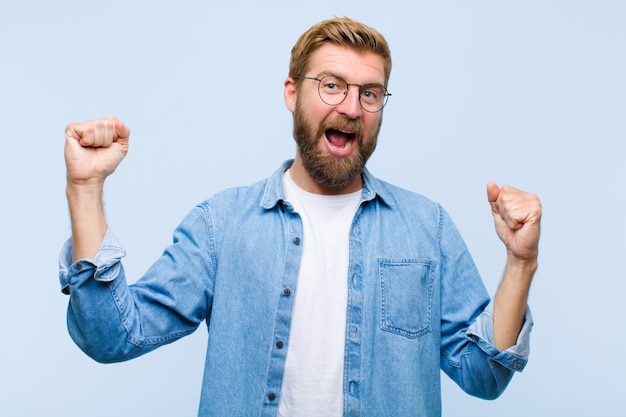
[
  {"x": 372, "y": 93},
  {"x": 369, "y": 94},
  {"x": 332, "y": 85}
]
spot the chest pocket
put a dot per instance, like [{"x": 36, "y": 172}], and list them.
[{"x": 406, "y": 296}]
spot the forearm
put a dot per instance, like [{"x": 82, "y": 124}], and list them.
[
  {"x": 87, "y": 217},
  {"x": 93, "y": 150},
  {"x": 510, "y": 302}
]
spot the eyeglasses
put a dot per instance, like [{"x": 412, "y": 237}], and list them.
[{"x": 333, "y": 91}]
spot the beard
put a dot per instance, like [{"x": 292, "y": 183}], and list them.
[{"x": 328, "y": 170}]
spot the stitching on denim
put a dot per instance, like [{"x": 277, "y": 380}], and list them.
[
  {"x": 147, "y": 341},
  {"x": 429, "y": 287}
]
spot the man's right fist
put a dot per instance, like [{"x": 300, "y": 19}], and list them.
[{"x": 94, "y": 149}]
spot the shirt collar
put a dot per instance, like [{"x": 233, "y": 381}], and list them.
[{"x": 274, "y": 192}]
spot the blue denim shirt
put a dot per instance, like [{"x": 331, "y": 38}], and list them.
[{"x": 416, "y": 303}]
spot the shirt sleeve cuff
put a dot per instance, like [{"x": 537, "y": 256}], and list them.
[
  {"x": 104, "y": 266},
  {"x": 481, "y": 332}
]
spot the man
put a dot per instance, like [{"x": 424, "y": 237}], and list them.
[{"x": 325, "y": 291}]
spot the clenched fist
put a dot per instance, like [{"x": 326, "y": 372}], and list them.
[
  {"x": 94, "y": 149},
  {"x": 517, "y": 218}
]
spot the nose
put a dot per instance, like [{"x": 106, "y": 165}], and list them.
[{"x": 351, "y": 105}]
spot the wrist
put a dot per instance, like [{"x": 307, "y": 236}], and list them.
[
  {"x": 522, "y": 269},
  {"x": 86, "y": 188},
  {"x": 522, "y": 265},
  {"x": 527, "y": 262}
]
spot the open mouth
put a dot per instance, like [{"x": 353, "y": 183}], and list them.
[{"x": 340, "y": 139}]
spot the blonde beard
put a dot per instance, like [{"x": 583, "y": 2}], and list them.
[{"x": 327, "y": 170}]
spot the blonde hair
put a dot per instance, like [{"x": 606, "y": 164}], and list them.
[{"x": 341, "y": 31}]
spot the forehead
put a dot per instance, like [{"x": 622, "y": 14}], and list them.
[{"x": 348, "y": 63}]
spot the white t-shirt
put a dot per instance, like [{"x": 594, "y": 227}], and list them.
[{"x": 313, "y": 379}]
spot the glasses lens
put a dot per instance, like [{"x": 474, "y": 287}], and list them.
[
  {"x": 373, "y": 97},
  {"x": 332, "y": 90}
]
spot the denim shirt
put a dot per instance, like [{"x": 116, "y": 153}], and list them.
[{"x": 416, "y": 303}]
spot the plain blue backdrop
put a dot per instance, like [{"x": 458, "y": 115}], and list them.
[{"x": 528, "y": 93}]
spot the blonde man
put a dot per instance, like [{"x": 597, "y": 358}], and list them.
[{"x": 325, "y": 291}]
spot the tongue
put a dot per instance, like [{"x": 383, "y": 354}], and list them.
[{"x": 337, "y": 138}]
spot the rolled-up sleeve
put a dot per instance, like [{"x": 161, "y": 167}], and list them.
[
  {"x": 514, "y": 358},
  {"x": 106, "y": 263}
]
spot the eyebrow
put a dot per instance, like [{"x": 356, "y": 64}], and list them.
[{"x": 329, "y": 73}]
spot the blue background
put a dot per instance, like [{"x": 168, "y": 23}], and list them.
[{"x": 528, "y": 93}]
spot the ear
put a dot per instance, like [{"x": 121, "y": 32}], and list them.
[{"x": 290, "y": 94}]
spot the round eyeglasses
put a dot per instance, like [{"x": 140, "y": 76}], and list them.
[{"x": 333, "y": 91}]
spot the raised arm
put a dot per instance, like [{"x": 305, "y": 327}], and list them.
[
  {"x": 93, "y": 150},
  {"x": 517, "y": 217}
]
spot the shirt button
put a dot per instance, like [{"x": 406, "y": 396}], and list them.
[
  {"x": 79, "y": 266},
  {"x": 271, "y": 396},
  {"x": 296, "y": 240},
  {"x": 287, "y": 292},
  {"x": 279, "y": 344},
  {"x": 353, "y": 331}
]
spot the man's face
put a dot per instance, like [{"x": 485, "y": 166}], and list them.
[{"x": 334, "y": 142}]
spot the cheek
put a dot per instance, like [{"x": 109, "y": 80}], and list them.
[
  {"x": 372, "y": 124},
  {"x": 312, "y": 111}
]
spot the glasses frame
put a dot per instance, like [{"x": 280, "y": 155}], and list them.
[{"x": 386, "y": 94}]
